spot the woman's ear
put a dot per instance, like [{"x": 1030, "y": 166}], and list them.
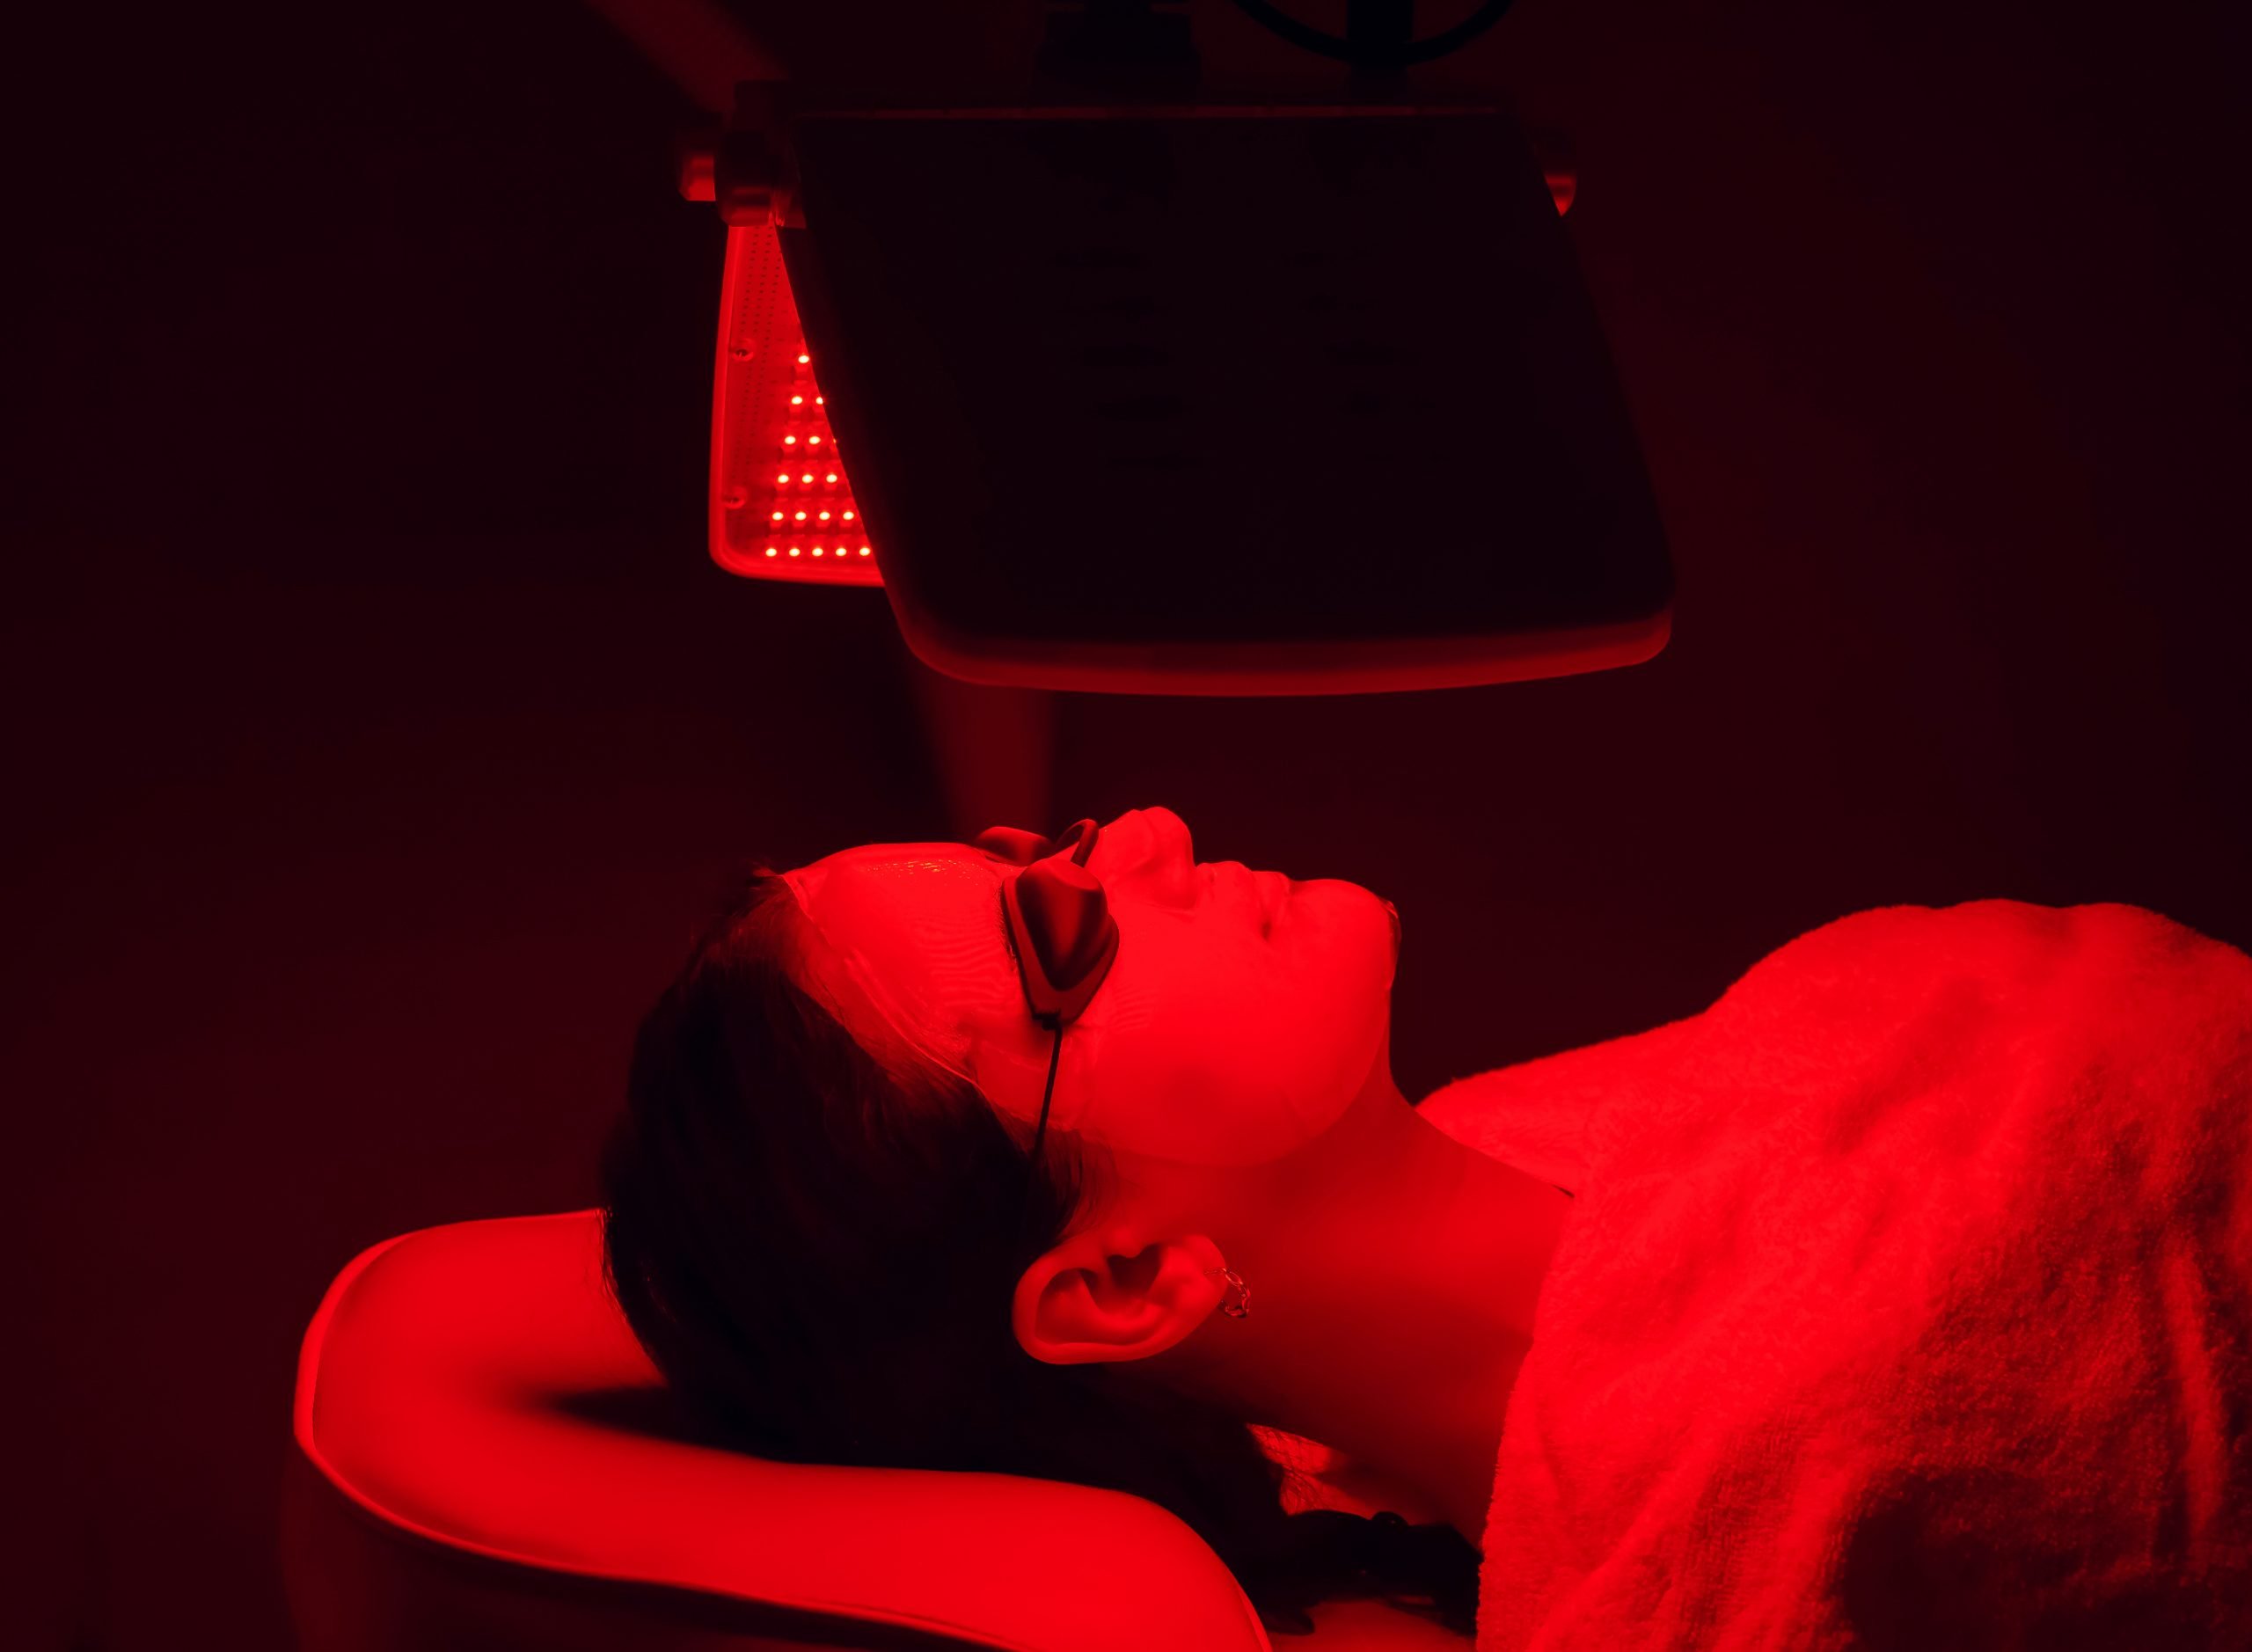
[{"x": 1115, "y": 1294}]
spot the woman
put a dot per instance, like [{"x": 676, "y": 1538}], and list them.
[{"x": 824, "y": 1177}]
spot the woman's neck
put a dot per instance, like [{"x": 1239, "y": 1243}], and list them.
[{"x": 1395, "y": 1276}]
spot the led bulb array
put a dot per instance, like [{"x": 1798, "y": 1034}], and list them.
[
  {"x": 806, "y": 431},
  {"x": 788, "y": 498}
]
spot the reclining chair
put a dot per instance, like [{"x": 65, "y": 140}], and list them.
[{"x": 484, "y": 1458}]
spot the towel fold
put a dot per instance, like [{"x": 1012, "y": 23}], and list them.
[{"x": 1905, "y": 1301}]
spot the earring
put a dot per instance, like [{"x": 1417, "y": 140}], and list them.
[{"x": 1240, "y": 1308}]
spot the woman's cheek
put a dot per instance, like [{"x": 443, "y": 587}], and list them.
[
  {"x": 1339, "y": 1010},
  {"x": 1229, "y": 1051}
]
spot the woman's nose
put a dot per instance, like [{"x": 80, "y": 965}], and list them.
[
  {"x": 1169, "y": 842},
  {"x": 1152, "y": 847}
]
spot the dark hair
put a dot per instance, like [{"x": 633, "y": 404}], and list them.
[{"x": 758, "y": 1130}]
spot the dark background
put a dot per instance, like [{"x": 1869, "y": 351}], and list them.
[{"x": 377, "y": 727}]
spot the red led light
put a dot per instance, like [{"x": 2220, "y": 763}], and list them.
[{"x": 766, "y": 399}]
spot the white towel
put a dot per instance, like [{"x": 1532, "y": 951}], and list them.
[{"x": 1905, "y": 1301}]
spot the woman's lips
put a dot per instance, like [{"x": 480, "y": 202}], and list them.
[{"x": 1267, "y": 891}]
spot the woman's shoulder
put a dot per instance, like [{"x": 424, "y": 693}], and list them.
[
  {"x": 1997, "y": 922},
  {"x": 2009, "y": 945},
  {"x": 1863, "y": 980}
]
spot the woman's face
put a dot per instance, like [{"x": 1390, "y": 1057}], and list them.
[{"x": 1238, "y": 1021}]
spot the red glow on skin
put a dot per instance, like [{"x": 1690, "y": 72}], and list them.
[
  {"x": 442, "y": 1386},
  {"x": 1239, "y": 1021}
]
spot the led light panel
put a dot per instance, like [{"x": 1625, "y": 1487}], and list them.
[{"x": 782, "y": 506}]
